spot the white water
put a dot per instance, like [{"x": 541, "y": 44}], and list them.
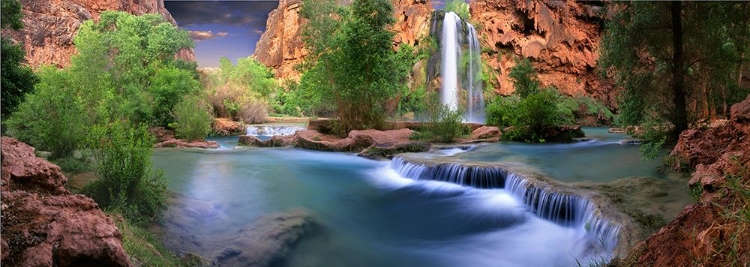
[
  {"x": 450, "y": 52},
  {"x": 454, "y": 73},
  {"x": 272, "y": 130},
  {"x": 570, "y": 211}
]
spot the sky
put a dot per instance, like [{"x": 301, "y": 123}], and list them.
[{"x": 225, "y": 28}]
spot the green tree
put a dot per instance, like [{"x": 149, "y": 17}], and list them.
[
  {"x": 52, "y": 118},
  {"x": 356, "y": 67},
  {"x": 524, "y": 77},
  {"x": 192, "y": 118},
  {"x": 668, "y": 55},
  {"x": 17, "y": 79}
]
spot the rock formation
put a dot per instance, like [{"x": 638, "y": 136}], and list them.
[
  {"x": 51, "y": 25},
  {"x": 707, "y": 232},
  {"x": 43, "y": 224},
  {"x": 561, "y": 38},
  {"x": 281, "y": 46}
]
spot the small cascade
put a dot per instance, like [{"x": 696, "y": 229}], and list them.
[
  {"x": 272, "y": 130},
  {"x": 459, "y": 73},
  {"x": 565, "y": 209}
]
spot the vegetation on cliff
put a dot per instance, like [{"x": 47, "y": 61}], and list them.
[{"x": 17, "y": 79}]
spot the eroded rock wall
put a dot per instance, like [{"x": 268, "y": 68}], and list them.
[
  {"x": 281, "y": 46},
  {"x": 560, "y": 37},
  {"x": 51, "y": 25}
]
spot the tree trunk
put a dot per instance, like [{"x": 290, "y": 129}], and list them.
[{"x": 679, "y": 114}]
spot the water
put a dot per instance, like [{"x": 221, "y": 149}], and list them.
[
  {"x": 268, "y": 130},
  {"x": 372, "y": 216},
  {"x": 601, "y": 159},
  {"x": 459, "y": 73}
]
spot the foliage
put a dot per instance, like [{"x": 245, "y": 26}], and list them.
[
  {"x": 502, "y": 111},
  {"x": 460, "y": 7},
  {"x": 524, "y": 77},
  {"x": 17, "y": 80},
  {"x": 580, "y": 106},
  {"x": 123, "y": 166},
  {"x": 241, "y": 91},
  {"x": 445, "y": 125},
  {"x": 669, "y": 54},
  {"x": 73, "y": 165},
  {"x": 539, "y": 111},
  {"x": 653, "y": 141},
  {"x": 53, "y": 118},
  {"x": 353, "y": 65},
  {"x": 192, "y": 118},
  {"x": 167, "y": 88}
]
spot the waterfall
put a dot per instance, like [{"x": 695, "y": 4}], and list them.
[
  {"x": 454, "y": 67},
  {"x": 272, "y": 130},
  {"x": 566, "y": 209},
  {"x": 451, "y": 51}
]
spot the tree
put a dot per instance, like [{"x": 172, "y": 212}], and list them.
[
  {"x": 356, "y": 68},
  {"x": 676, "y": 60},
  {"x": 17, "y": 79}
]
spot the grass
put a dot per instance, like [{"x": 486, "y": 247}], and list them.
[{"x": 146, "y": 250}]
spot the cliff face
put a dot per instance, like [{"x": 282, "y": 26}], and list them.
[
  {"x": 51, "y": 25},
  {"x": 561, "y": 38},
  {"x": 281, "y": 46}
]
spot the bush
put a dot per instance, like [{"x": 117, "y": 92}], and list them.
[
  {"x": 242, "y": 91},
  {"x": 539, "y": 111},
  {"x": 460, "y": 7},
  {"x": 125, "y": 181},
  {"x": 52, "y": 118},
  {"x": 524, "y": 77},
  {"x": 503, "y": 111},
  {"x": 192, "y": 118},
  {"x": 445, "y": 126},
  {"x": 252, "y": 111},
  {"x": 167, "y": 88},
  {"x": 73, "y": 165}
]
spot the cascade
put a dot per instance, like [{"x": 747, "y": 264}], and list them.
[
  {"x": 565, "y": 209},
  {"x": 272, "y": 130},
  {"x": 458, "y": 73}
]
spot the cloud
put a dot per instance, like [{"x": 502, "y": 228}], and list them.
[
  {"x": 246, "y": 14},
  {"x": 205, "y": 35},
  {"x": 257, "y": 31}
]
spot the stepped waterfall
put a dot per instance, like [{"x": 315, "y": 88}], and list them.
[
  {"x": 460, "y": 72},
  {"x": 565, "y": 209}
]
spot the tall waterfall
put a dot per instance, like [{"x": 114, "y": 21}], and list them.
[{"x": 458, "y": 74}]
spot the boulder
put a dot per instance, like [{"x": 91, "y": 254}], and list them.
[
  {"x": 388, "y": 151},
  {"x": 182, "y": 143},
  {"x": 249, "y": 140},
  {"x": 161, "y": 134},
  {"x": 267, "y": 240},
  {"x": 227, "y": 127},
  {"x": 486, "y": 132},
  {"x": 43, "y": 224}
]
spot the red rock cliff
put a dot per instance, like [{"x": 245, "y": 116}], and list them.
[
  {"x": 51, "y": 25},
  {"x": 561, "y": 38},
  {"x": 281, "y": 46},
  {"x": 43, "y": 224}
]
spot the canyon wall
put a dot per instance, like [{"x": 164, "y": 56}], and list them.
[
  {"x": 51, "y": 25},
  {"x": 561, "y": 38},
  {"x": 281, "y": 46}
]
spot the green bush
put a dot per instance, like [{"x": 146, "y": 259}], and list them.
[
  {"x": 445, "y": 125},
  {"x": 52, "y": 118},
  {"x": 167, "y": 88},
  {"x": 524, "y": 77},
  {"x": 192, "y": 118},
  {"x": 503, "y": 111},
  {"x": 125, "y": 181},
  {"x": 539, "y": 111},
  {"x": 73, "y": 165}
]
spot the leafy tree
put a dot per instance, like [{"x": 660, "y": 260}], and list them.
[
  {"x": 524, "y": 77},
  {"x": 53, "y": 118},
  {"x": 355, "y": 67},
  {"x": 669, "y": 55},
  {"x": 17, "y": 80},
  {"x": 168, "y": 86},
  {"x": 241, "y": 91}
]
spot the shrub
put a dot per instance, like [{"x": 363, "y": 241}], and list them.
[
  {"x": 167, "y": 88},
  {"x": 252, "y": 110},
  {"x": 539, "y": 111},
  {"x": 460, "y": 7},
  {"x": 445, "y": 126},
  {"x": 503, "y": 111},
  {"x": 524, "y": 77},
  {"x": 52, "y": 118},
  {"x": 123, "y": 166},
  {"x": 192, "y": 118},
  {"x": 73, "y": 165}
]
